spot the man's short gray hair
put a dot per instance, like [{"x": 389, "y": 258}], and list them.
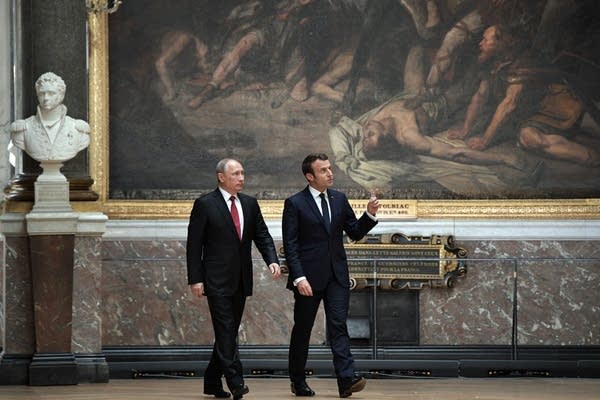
[{"x": 223, "y": 163}]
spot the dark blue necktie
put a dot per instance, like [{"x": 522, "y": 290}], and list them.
[{"x": 325, "y": 211}]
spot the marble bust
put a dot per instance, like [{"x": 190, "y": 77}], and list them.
[{"x": 50, "y": 135}]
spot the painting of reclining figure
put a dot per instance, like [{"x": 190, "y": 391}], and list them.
[{"x": 422, "y": 99}]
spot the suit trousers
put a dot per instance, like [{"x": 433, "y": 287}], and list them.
[
  {"x": 336, "y": 300},
  {"x": 226, "y": 314}
]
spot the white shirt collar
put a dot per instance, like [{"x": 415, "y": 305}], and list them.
[
  {"x": 315, "y": 193},
  {"x": 226, "y": 195}
]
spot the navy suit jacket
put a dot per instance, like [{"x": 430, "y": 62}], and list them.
[
  {"x": 310, "y": 250},
  {"x": 215, "y": 254}
]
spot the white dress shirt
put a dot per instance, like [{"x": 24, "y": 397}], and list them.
[{"x": 238, "y": 205}]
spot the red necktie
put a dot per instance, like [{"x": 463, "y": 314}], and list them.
[{"x": 235, "y": 216}]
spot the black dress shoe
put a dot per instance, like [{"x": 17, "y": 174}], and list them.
[
  {"x": 347, "y": 386},
  {"x": 218, "y": 392},
  {"x": 302, "y": 389},
  {"x": 239, "y": 392}
]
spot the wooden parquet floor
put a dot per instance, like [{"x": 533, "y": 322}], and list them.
[{"x": 278, "y": 388}]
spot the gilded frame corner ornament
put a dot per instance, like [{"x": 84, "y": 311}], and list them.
[{"x": 98, "y": 85}]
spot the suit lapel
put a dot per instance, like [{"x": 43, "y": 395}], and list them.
[
  {"x": 332, "y": 206},
  {"x": 246, "y": 212},
  {"x": 313, "y": 206}
]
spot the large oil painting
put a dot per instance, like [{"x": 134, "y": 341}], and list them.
[{"x": 413, "y": 99}]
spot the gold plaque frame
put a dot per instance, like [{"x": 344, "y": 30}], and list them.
[{"x": 272, "y": 209}]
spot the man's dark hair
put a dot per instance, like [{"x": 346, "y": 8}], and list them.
[{"x": 311, "y": 158}]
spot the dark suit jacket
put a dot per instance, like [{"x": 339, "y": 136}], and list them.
[
  {"x": 309, "y": 249},
  {"x": 215, "y": 254}
]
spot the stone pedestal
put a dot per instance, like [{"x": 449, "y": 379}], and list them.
[
  {"x": 52, "y": 272},
  {"x": 51, "y": 190},
  {"x": 57, "y": 270},
  {"x": 51, "y": 226},
  {"x": 53, "y": 279}
]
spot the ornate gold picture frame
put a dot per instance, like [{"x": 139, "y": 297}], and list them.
[{"x": 585, "y": 208}]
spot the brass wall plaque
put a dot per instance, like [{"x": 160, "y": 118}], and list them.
[{"x": 396, "y": 261}]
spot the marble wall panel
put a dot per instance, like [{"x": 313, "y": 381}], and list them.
[
  {"x": 559, "y": 302},
  {"x": 87, "y": 300},
  {"x": 146, "y": 303},
  {"x": 477, "y": 310},
  {"x": 558, "y": 299},
  {"x": 125, "y": 250},
  {"x": 555, "y": 306},
  {"x": 532, "y": 249},
  {"x": 146, "y": 300},
  {"x": 19, "y": 324},
  {"x": 52, "y": 275}
]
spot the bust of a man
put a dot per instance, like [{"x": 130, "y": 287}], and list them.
[{"x": 50, "y": 135}]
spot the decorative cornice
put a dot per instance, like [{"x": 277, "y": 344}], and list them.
[{"x": 580, "y": 209}]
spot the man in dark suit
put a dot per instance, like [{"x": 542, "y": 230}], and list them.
[
  {"x": 223, "y": 225},
  {"x": 314, "y": 221}
]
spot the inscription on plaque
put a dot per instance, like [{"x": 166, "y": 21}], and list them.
[{"x": 396, "y": 261}]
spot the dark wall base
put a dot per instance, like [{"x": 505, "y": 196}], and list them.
[
  {"x": 589, "y": 369},
  {"x": 479, "y": 361},
  {"x": 53, "y": 369},
  {"x": 14, "y": 369},
  {"x": 90, "y": 368},
  {"x": 271, "y": 361}
]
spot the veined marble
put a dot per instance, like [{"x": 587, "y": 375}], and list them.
[
  {"x": 476, "y": 311},
  {"x": 146, "y": 300},
  {"x": 87, "y": 295},
  {"x": 559, "y": 302},
  {"x": 130, "y": 289},
  {"x": 19, "y": 331}
]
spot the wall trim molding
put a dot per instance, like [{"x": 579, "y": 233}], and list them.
[{"x": 462, "y": 230}]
